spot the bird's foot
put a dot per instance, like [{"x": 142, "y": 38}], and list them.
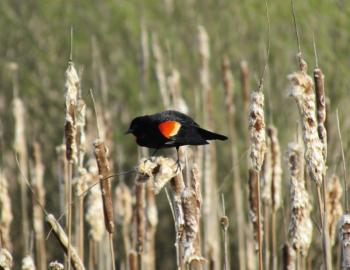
[{"x": 178, "y": 166}]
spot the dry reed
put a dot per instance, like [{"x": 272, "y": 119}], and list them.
[
  {"x": 63, "y": 240},
  {"x": 230, "y": 107},
  {"x": 6, "y": 216},
  {"x": 20, "y": 147},
  {"x": 38, "y": 215}
]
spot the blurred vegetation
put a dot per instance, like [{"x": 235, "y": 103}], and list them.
[{"x": 35, "y": 34}]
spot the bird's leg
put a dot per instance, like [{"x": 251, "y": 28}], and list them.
[
  {"x": 178, "y": 159},
  {"x": 154, "y": 152}
]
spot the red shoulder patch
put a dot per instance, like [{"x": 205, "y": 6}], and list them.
[{"x": 169, "y": 128}]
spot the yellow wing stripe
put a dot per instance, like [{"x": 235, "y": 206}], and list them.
[{"x": 169, "y": 128}]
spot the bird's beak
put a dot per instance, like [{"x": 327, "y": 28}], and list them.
[{"x": 129, "y": 131}]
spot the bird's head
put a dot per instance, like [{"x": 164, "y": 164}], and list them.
[{"x": 136, "y": 126}]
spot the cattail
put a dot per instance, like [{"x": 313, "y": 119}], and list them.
[
  {"x": 133, "y": 260},
  {"x": 63, "y": 240},
  {"x": 103, "y": 168},
  {"x": 151, "y": 226},
  {"x": 5, "y": 259},
  {"x": 335, "y": 209},
  {"x": 253, "y": 202},
  {"x": 266, "y": 176},
  {"x": 321, "y": 108},
  {"x": 38, "y": 216},
  {"x": 160, "y": 73},
  {"x": 5, "y": 212},
  {"x": 191, "y": 205},
  {"x": 28, "y": 263},
  {"x": 56, "y": 266},
  {"x": 94, "y": 213},
  {"x": 344, "y": 238},
  {"x": 300, "y": 227},
  {"x": 257, "y": 130},
  {"x": 80, "y": 124},
  {"x": 161, "y": 169},
  {"x": 288, "y": 257},
  {"x": 140, "y": 215},
  {"x": 301, "y": 89},
  {"x": 276, "y": 172},
  {"x": 123, "y": 204},
  {"x": 20, "y": 147},
  {"x": 72, "y": 86}
]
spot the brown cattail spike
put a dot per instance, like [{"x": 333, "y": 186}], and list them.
[
  {"x": 288, "y": 257},
  {"x": 6, "y": 212},
  {"x": 321, "y": 108},
  {"x": 140, "y": 215},
  {"x": 257, "y": 130},
  {"x": 253, "y": 201},
  {"x": 103, "y": 169}
]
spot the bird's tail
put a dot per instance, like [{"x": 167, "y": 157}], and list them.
[{"x": 208, "y": 135}]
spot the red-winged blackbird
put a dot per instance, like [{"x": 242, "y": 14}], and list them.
[{"x": 169, "y": 129}]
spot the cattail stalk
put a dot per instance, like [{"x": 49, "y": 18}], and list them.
[
  {"x": 38, "y": 217},
  {"x": 210, "y": 205},
  {"x": 6, "y": 216},
  {"x": 132, "y": 260},
  {"x": 230, "y": 107},
  {"x": 105, "y": 185},
  {"x": 72, "y": 86},
  {"x": 276, "y": 180},
  {"x": 191, "y": 204},
  {"x": 224, "y": 222},
  {"x": 123, "y": 210},
  {"x": 257, "y": 153},
  {"x": 63, "y": 240},
  {"x": 20, "y": 146},
  {"x": 151, "y": 226}
]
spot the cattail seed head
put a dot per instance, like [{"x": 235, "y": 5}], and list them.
[
  {"x": 253, "y": 202},
  {"x": 28, "y": 263},
  {"x": 72, "y": 86},
  {"x": 56, "y": 266},
  {"x": 123, "y": 204},
  {"x": 335, "y": 209},
  {"x": 344, "y": 238},
  {"x": 5, "y": 259},
  {"x": 257, "y": 129},
  {"x": 300, "y": 227},
  {"x": 140, "y": 215},
  {"x": 276, "y": 168},
  {"x": 301, "y": 89},
  {"x": 266, "y": 175}
]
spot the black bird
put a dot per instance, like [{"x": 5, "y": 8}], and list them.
[{"x": 170, "y": 129}]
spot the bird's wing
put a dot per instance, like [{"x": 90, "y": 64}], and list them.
[{"x": 169, "y": 128}]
